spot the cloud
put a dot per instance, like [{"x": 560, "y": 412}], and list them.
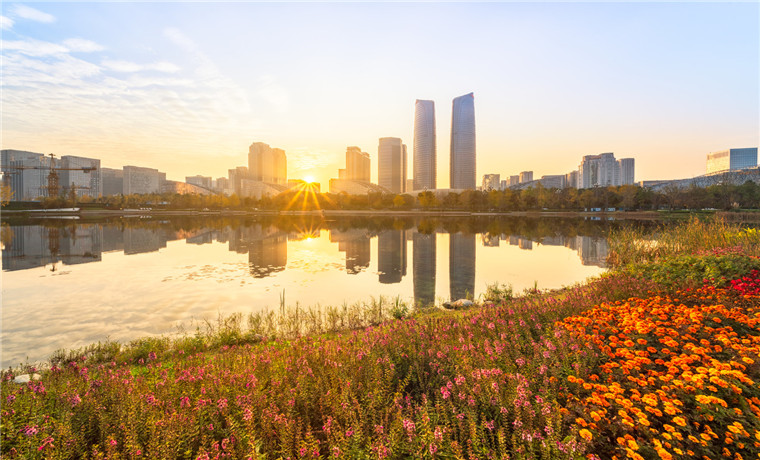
[
  {"x": 80, "y": 45},
  {"x": 27, "y": 12},
  {"x": 131, "y": 67},
  {"x": 6, "y": 23},
  {"x": 274, "y": 93},
  {"x": 34, "y": 47}
]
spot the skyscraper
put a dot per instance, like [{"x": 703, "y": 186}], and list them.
[
  {"x": 267, "y": 165},
  {"x": 627, "y": 171},
  {"x": 391, "y": 164},
  {"x": 424, "y": 145},
  {"x": 462, "y": 170},
  {"x": 357, "y": 165}
]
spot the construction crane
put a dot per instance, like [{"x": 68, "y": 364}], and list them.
[{"x": 53, "y": 182}]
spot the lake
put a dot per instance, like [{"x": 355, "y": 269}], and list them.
[{"x": 67, "y": 283}]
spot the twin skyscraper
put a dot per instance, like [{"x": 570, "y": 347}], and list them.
[{"x": 462, "y": 160}]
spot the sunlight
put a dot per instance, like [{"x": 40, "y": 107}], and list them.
[{"x": 309, "y": 179}]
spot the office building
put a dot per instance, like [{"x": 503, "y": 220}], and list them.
[
  {"x": 26, "y": 173},
  {"x": 526, "y": 176},
  {"x": 626, "y": 171},
  {"x": 491, "y": 182},
  {"x": 82, "y": 174},
  {"x": 391, "y": 164},
  {"x": 236, "y": 177},
  {"x": 357, "y": 165},
  {"x": 200, "y": 181},
  {"x": 462, "y": 164},
  {"x": 138, "y": 180},
  {"x": 424, "y": 172},
  {"x": 112, "y": 180},
  {"x": 266, "y": 164},
  {"x": 731, "y": 160}
]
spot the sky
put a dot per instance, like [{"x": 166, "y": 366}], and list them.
[{"x": 187, "y": 87}]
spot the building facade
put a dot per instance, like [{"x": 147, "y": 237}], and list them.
[
  {"x": 491, "y": 182},
  {"x": 200, "y": 181},
  {"x": 82, "y": 175},
  {"x": 526, "y": 176},
  {"x": 26, "y": 173},
  {"x": 357, "y": 165},
  {"x": 462, "y": 162},
  {"x": 112, "y": 180},
  {"x": 627, "y": 173},
  {"x": 267, "y": 164},
  {"x": 138, "y": 180},
  {"x": 391, "y": 164},
  {"x": 599, "y": 171},
  {"x": 731, "y": 160},
  {"x": 425, "y": 163}
]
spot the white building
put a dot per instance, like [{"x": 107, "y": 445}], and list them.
[
  {"x": 424, "y": 146},
  {"x": 491, "y": 182},
  {"x": 627, "y": 176},
  {"x": 462, "y": 165},
  {"x": 138, "y": 180},
  {"x": 599, "y": 171}
]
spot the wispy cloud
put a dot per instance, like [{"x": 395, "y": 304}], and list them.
[
  {"x": 151, "y": 112},
  {"x": 80, "y": 45},
  {"x": 26, "y": 12},
  {"x": 6, "y": 23},
  {"x": 130, "y": 67}
]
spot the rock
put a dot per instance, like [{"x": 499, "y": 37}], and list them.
[
  {"x": 461, "y": 303},
  {"x": 25, "y": 378}
]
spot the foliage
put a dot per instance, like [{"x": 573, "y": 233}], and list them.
[{"x": 692, "y": 270}]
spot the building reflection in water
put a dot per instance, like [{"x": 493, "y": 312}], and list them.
[
  {"x": 33, "y": 246},
  {"x": 356, "y": 244},
  {"x": 461, "y": 265},
  {"x": 423, "y": 268},
  {"x": 266, "y": 246},
  {"x": 391, "y": 256}
]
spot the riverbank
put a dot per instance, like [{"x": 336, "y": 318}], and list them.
[
  {"x": 669, "y": 364},
  {"x": 738, "y": 216}
]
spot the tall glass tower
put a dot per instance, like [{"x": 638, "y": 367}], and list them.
[
  {"x": 424, "y": 145},
  {"x": 462, "y": 170}
]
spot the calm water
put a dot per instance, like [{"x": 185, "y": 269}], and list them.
[{"x": 69, "y": 283}]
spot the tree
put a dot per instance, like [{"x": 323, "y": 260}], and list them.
[{"x": 6, "y": 195}]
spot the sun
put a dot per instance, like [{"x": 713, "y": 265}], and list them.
[{"x": 309, "y": 179}]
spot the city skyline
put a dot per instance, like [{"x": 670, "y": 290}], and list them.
[{"x": 167, "y": 86}]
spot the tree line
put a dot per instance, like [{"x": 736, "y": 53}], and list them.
[{"x": 625, "y": 197}]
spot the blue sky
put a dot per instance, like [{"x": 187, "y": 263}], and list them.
[{"x": 187, "y": 87}]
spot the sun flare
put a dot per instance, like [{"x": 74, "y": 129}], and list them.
[{"x": 309, "y": 179}]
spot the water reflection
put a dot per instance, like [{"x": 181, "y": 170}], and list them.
[{"x": 127, "y": 278}]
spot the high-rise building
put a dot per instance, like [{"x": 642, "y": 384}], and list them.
[
  {"x": 26, "y": 173},
  {"x": 626, "y": 171},
  {"x": 571, "y": 179},
  {"x": 491, "y": 182},
  {"x": 424, "y": 146},
  {"x": 357, "y": 165},
  {"x": 138, "y": 180},
  {"x": 267, "y": 164},
  {"x": 83, "y": 174},
  {"x": 391, "y": 164},
  {"x": 462, "y": 166},
  {"x": 526, "y": 176},
  {"x": 113, "y": 181},
  {"x": 731, "y": 159},
  {"x": 599, "y": 171},
  {"x": 514, "y": 180}
]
